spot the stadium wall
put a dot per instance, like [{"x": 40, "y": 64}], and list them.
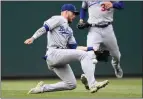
[{"x": 21, "y": 19}]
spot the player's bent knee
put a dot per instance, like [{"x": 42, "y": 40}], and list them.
[
  {"x": 81, "y": 54},
  {"x": 71, "y": 85}
]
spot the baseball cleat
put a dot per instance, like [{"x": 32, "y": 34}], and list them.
[
  {"x": 117, "y": 68},
  {"x": 84, "y": 81},
  {"x": 118, "y": 72},
  {"x": 98, "y": 85},
  {"x": 37, "y": 89}
]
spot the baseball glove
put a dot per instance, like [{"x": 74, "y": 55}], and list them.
[
  {"x": 82, "y": 25},
  {"x": 102, "y": 55}
]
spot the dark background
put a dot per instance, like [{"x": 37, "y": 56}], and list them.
[{"x": 21, "y": 19}]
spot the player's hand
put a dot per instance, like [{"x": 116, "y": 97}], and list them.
[
  {"x": 82, "y": 25},
  {"x": 29, "y": 41},
  {"x": 107, "y": 5}
]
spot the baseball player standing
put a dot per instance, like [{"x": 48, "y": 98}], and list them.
[
  {"x": 62, "y": 49},
  {"x": 101, "y": 34}
]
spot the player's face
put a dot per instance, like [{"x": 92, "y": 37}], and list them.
[{"x": 71, "y": 16}]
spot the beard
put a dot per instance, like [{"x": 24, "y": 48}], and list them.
[{"x": 69, "y": 22}]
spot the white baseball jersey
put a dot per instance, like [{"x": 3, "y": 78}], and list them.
[
  {"x": 97, "y": 14},
  {"x": 102, "y": 37},
  {"x": 60, "y": 34}
]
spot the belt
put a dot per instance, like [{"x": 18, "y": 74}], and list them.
[
  {"x": 55, "y": 48},
  {"x": 45, "y": 57},
  {"x": 101, "y": 26}
]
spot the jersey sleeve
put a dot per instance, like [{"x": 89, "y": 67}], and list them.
[
  {"x": 72, "y": 44},
  {"x": 118, "y": 4},
  {"x": 52, "y": 23},
  {"x": 83, "y": 10},
  {"x": 84, "y": 5},
  {"x": 72, "y": 40}
]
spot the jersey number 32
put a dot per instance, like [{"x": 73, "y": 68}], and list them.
[{"x": 104, "y": 8}]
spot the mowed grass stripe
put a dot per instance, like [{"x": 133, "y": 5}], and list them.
[{"x": 116, "y": 88}]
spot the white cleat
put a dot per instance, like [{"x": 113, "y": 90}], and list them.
[
  {"x": 118, "y": 71},
  {"x": 84, "y": 81},
  {"x": 37, "y": 89},
  {"x": 98, "y": 85}
]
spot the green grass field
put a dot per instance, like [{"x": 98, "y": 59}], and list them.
[{"x": 121, "y": 88}]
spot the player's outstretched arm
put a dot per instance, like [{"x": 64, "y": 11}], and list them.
[
  {"x": 118, "y": 5},
  {"x": 81, "y": 24},
  {"x": 36, "y": 35},
  {"x": 83, "y": 10},
  {"x": 81, "y": 48},
  {"x": 114, "y": 4},
  {"x": 29, "y": 41},
  {"x": 84, "y": 48},
  {"x": 100, "y": 55}
]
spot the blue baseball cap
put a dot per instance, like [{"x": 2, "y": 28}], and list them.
[{"x": 69, "y": 7}]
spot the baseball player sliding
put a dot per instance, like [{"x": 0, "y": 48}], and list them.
[
  {"x": 62, "y": 49},
  {"x": 101, "y": 34}
]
